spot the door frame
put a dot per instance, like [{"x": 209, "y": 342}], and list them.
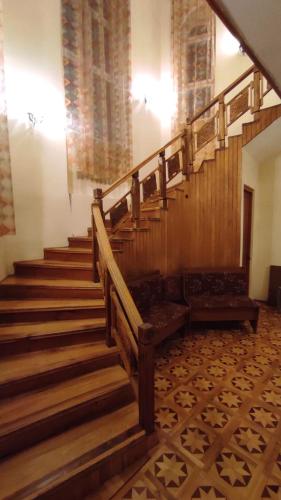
[{"x": 250, "y": 190}]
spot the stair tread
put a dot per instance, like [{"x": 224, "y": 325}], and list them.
[
  {"x": 37, "y": 362},
  {"x": 70, "y": 250},
  {"x": 21, "y": 411},
  {"x": 14, "y": 305},
  {"x": 55, "y": 263},
  {"x": 50, "y": 462},
  {"x": 57, "y": 283},
  {"x": 30, "y": 330}
]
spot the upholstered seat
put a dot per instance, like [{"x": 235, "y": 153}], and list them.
[
  {"x": 219, "y": 295},
  {"x": 160, "y": 302}
]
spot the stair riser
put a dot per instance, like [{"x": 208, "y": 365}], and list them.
[
  {"x": 50, "y": 426},
  {"x": 44, "y": 272},
  {"x": 88, "y": 245},
  {"x": 92, "y": 477},
  {"x": 20, "y": 346},
  {"x": 68, "y": 256},
  {"x": 51, "y": 315},
  {"x": 57, "y": 375},
  {"x": 34, "y": 292},
  {"x": 80, "y": 243}
]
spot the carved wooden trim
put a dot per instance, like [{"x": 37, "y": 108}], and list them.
[
  {"x": 206, "y": 133},
  {"x": 149, "y": 186},
  {"x": 238, "y": 105},
  {"x": 119, "y": 211},
  {"x": 173, "y": 164}
]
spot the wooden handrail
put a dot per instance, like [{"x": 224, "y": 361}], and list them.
[
  {"x": 226, "y": 91},
  {"x": 139, "y": 166},
  {"x": 115, "y": 273}
]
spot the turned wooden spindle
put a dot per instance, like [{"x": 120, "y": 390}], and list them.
[
  {"x": 95, "y": 248},
  {"x": 135, "y": 194},
  {"x": 187, "y": 150},
  {"x": 221, "y": 117},
  {"x": 257, "y": 97},
  {"x": 163, "y": 179}
]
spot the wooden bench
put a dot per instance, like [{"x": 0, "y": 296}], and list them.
[
  {"x": 219, "y": 295},
  {"x": 160, "y": 301}
]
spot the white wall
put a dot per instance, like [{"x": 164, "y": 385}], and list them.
[
  {"x": 261, "y": 170},
  {"x": 34, "y": 83}
]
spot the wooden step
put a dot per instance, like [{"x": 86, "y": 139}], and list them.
[
  {"x": 33, "y": 417},
  {"x": 37, "y": 310},
  {"x": 80, "y": 241},
  {"x": 75, "y": 463},
  {"x": 31, "y": 371},
  {"x": 155, "y": 208},
  {"x": 86, "y": 242},
  {"x": 17, "y": 287},
  {"x": 54, "y": 269},
  {"x": 28, "y": 337},
  {"x": 69, "y": 254}
]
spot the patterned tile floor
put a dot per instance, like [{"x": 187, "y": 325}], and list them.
[{"x": 218, "y": 414}]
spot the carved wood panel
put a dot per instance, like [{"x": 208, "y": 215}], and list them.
[
  {"x": 127, "y": 353},
  {"x": 206, "y": 133},
  {"x": 117, "y": 212},
  {"x": 149, "y": 186},
  {"x": 239, "y": 105},
  {"x": 173, "y": 165}
]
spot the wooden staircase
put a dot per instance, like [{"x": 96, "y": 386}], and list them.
[{"x": 68, "y": 413}]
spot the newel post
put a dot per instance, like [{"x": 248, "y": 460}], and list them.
[
  {"x": 163, "y": 179},
  {"x": 95, "y": 247},
  {"x": 135, "y": 194},
  {"x": 221, "y": 131},
  {"x": 146, "y": 377},
  {"x": 98, "y": 199}
]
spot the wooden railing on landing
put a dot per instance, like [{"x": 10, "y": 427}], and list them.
[
  {"x": 124, "y": 324},
  {"x": 210, "y": 125}
]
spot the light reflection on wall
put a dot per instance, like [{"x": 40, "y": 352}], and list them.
[
  {"x": 30, "y": 94},
  {"x": 158, "y": 96}
]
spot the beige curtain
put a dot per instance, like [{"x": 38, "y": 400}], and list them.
[
  {"x": 7, "y": 220},
  {"x": 96, "y": 46},
  {"x": 193, "y": 45}
]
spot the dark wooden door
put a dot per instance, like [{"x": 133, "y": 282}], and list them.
[{"x": 247, "y": 229}]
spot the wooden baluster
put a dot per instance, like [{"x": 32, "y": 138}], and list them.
[
  {"x": 95, "y": 249},
  {"x": 256, "y": 86},
  {"x": 163, "y": 179},
  {"x": 135, "y": 193},
  {"x": 107, "y": 296},
  {"x": 146, "y": 377},
  {"x": 98, "y": 199},
  {"x": 187, "y": 151},
  {"x": 221, "y": 131}
]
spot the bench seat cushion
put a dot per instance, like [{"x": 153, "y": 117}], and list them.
[
  {"x": 163, "y": 314},
  {"x": 221, "y": 301}
]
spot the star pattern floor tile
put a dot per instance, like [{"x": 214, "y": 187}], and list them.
[{"x": 218, "y": 413}]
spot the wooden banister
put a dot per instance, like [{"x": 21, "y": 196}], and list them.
[
  {"x": 186, "y": 136},
  {"x": 115, "y": 273},
  {"x": 226, "y": 91},
  {"x": 139, "y": 166}
]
